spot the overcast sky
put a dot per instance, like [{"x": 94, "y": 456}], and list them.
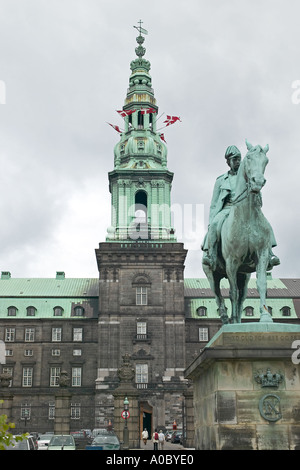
[{"x": 229, "y": 69}]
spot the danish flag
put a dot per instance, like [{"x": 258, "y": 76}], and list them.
[
  {"x": 115, "y": 127},
  {"x": 148, "y": 110},
  {"x": 124, "y": 113},
  {"x": 162, "y": 136},
  {"x": 171, "y": 119}
]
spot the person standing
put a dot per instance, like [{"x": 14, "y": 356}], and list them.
[
  {"x": 161, "y": 440},
  {"x": 155, "y": 440},
  {"x": 145, "y": 436}
]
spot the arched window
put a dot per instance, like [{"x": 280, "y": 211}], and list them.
[
  {"x": 31, "y": 311},
  {"x": 286, "y": 311},
  {"x": 140, "y": 209},
  {"x": 202, "y": 311},
  {"x": 249, "y": 311},
  {"x": 78, "y": 311},
  {"x": 12, "y": 311},
  {"x": 57, "y": 311}
]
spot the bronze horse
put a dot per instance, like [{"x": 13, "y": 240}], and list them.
[{"x": 245, "y": 239}]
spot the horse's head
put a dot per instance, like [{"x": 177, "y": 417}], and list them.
[{"x": 255, "y": 163}]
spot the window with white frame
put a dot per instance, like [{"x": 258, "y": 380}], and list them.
[
  {"x": 141, "y": 329},
  {"x": 27, "y": 377},
  {"x": 141, "y": 373},
  {"x": 56, "y": 334},
  {"x": 76, "y": 376},
  {"x": 51, "y": 411},
  {"x": 75, "y": 410},
  {"x": 28, "y": 352},
  {"x": 25, "y": 412},
  {"x": 77, "y": 352},
  {"x": 29, "y": 335},
  {"x": 141, "y": 296},
  {"x": 203, "y": 334},
  {"x": 77, "y": 334},
  {"x": 54, "y": 376},
  {"x": 10, "y": 335}
]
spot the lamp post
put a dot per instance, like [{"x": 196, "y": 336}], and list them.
[{"x": 126, "y": 430}]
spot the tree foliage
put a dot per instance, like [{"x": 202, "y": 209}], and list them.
[{"x": 6, "y": 438}]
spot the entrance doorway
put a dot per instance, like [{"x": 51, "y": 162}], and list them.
[{"x": 146, "y": 418}]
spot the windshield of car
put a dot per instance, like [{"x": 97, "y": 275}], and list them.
[
  {"x": 61, "y": 441},
  {"x": 105, "y": 439},
  {"x": 45, "y": 437}
]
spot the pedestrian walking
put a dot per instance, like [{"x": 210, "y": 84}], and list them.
[
  {"x": 145, "y": 436},
  {"x": 161, "y": 440},
  {"x": 155, "y": 440}
]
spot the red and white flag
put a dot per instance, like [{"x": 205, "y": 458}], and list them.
[
  {"x": 124, "y": 113},
  {"x": 162, "y": 136},
  {"x": 115, "y": 127},
  {"x": 148, "y": 110},
  {"x": 171, "y": 119}
]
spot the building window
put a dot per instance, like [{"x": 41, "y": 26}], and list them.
[
  {"x": 141, "y": 375},
  {"x": 29, "y": 335},
  {"x": 31, "y": 311},
  {"x": 76, "y": 376},
  {"x": 141, "y": 296},
  {"x": 55, "y": 352},
  {"x": 77, "y": 352},
  {"x": 78, "y": 311},
  {"x": 56, "y": 334},
  {"x": 77, "y": 334},
  {"x": 249, "y": 311},
  {"x": 10, "y": 335},
  {"x": 54, "y": 376},
  {"x": 11, "y": 311},
  {"x": 28, "y": 352},
  {"x": 141, "y": 330},
  {"x": 57, "y": 311},
  {"x": 27, "y": 377},
  {"x": 25, "y": 412},
  {"x": 9, "y": 352},
  {"x": 286, "y": 311},
  {"x": 51, "y": 411},
  {"x": 202, "y": 311},
  {"x": 75, "y": 410},
  {"x": 203, "y": 334},
  {"x": 270, "y": 310}
]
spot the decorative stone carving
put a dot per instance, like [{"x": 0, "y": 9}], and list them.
[
  {"x": 5, "y": 378},
  {"x": 126, "y": 372},
  {"x": 64, "y": 379},
  {"x": 268, "y": 379}
]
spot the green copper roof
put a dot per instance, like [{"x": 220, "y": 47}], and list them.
[{"x": 47, "y": 287}]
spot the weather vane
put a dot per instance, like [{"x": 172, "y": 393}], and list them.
[{"x": 140, "y": 29}]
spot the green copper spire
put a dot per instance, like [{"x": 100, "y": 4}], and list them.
[{"x": 140, "y": 181}]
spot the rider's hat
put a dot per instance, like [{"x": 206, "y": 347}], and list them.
[{"x": 232, "y": 151}]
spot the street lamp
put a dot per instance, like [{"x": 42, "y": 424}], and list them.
[{"x": 126, "y": 430}]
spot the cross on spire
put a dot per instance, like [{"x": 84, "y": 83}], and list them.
[{"x": 140, "y": 29}]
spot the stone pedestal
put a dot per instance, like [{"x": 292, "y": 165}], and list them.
[
  {"x": 62, "y": 412},
  {"x": 247, "y": 389}
]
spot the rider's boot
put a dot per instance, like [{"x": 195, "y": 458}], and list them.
[{"x": 273, "y": 261}]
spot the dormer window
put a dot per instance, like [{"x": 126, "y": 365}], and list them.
[
  {"x": 57, "y": 311},
  {"x": 31, "y": 311},
  {"x": 202, "y": 311},
  {"x": 78, "y": 311},
  {"x": 11, "y": 311},
  {"x": 286, "y": 311}
]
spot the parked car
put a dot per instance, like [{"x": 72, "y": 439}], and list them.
[
  {"x": 81, "y": 439},
  {"x": 43, "y": 441},
  {"x": 168, "y": 435},
  {"x": 62, "y": 442},
  {"x": 28, "y": 443},
  {"x": 105, "y": 441},
  {"x": 176, "y": 437}
]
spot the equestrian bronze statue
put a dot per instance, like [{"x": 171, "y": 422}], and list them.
[{"x": 239, "y": 239}]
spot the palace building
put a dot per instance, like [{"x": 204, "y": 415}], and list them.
[{"x": 140, "y": 304}]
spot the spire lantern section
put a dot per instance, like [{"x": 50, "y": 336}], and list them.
[{"x": 140, "y": 183}]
